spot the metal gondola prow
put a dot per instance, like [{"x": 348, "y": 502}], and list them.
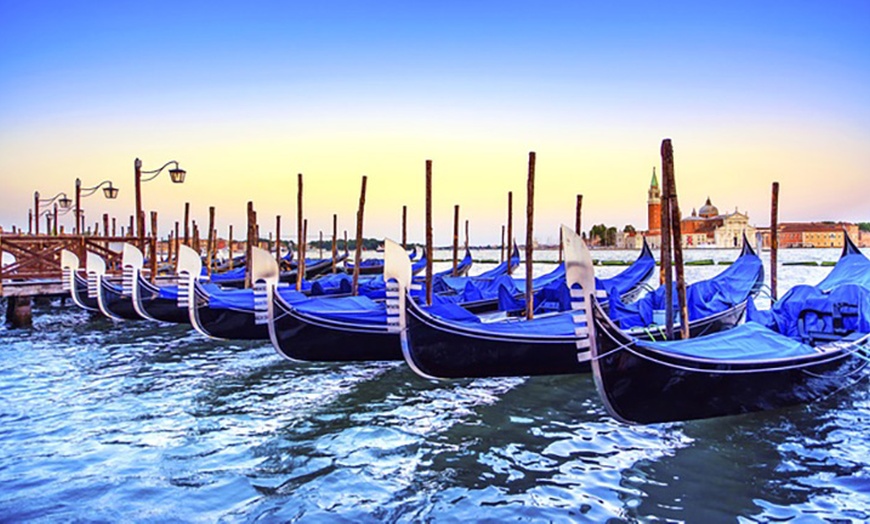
[
  {"x": 397, "y": 278},
  {"x": 580, "y": 279}
]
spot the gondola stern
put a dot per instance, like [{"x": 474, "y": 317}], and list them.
[{"x": 849, "y": 247}]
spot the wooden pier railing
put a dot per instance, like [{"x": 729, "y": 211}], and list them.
[{"x": 36, "y": 269}]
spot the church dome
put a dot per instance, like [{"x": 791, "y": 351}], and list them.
[{"x": 708, "y": 210}]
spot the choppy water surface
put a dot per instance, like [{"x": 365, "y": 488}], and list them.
[{"x": 146, "y": 422}]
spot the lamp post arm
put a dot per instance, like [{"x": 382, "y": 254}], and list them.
[
  {"x": 49, "y": 201},
  {"x": 157, "y": 171},
  {"x": 88, "y": 191}
]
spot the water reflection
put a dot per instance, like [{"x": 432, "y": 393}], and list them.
[{"x": 136, "y": 421}]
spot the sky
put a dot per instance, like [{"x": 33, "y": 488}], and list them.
[{"x": 245, "y": 95}]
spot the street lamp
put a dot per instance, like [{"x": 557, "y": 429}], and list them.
[
  {"x": 176, "y": 174},
  {"x": 60, "y": 198},
  {"x": 110, "y": 192}
]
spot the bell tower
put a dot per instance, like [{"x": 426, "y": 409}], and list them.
[{"x": 654, "y": 206}]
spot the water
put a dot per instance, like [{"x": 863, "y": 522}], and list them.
[{"x": 144, "y": 422}]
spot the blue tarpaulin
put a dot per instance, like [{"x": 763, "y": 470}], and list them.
[
  {"x": 705, "y": 298},
  {"x": 355, "y": 310},
  {"x": 749, "y": 341}
]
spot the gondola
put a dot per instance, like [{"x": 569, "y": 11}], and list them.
[
  {"x": 354, "y": 328},
  {"x": 313, "y": 267},
  {"x": 228, "y": 314},
  {"x": 444, "y": 342},
  {"x": 75, "y": 280},
  {"x": 550, "y": 294},
  {"x": 748, "y": 368},
  {"x": 853, "y": 267},
  {"x": 714, "y": 305},
  {"x": 160, "y": 301},
  {"x": 375, "y": 266},
  {"x": 116, "y": 298}
]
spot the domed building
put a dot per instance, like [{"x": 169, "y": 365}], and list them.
[
  {"x": 706, "y": 227},
  {"x": 708, "y": 210}
]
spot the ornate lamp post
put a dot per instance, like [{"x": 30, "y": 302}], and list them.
[
  {"x": 176, "y": 174},
  {"x": 110, "y": 192},
  {"x": 60, "y": 198}
]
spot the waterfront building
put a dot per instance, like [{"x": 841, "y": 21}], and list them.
[
  {"x": 812, "y": 234},
  {"x": 705, "y": 227}
]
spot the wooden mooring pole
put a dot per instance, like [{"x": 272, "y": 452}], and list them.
[
  {"x": 502, "y": 245},
  {"x": 187, "y": 224},
  {"x": 577, "y": 214},
  {"x": 677, "y": 236},
  {"x": 774, "y": 239},
  {"x": 300, "y": 248},
  {"x": 429, "y": 232},
  {"x": 510, "y": 231},
  {"x": 210, "y": 245},
  {"x": 304, "y": 250},
  {"x": 249, "y": 243},
  {"x": 177, "y": 243},
  {"x": 666, "y": 272},
  {"x": 359, "y": 235},
  {"x": 153, "y": 246},
  {"x": 405, "y": 227},
  {"x": 334, "y": 240},
  {"x": 278, "y": 240},
  {"x": 530, "y": 238},
  {"x": 455, "y": 239},
  {"x": 230, "y": 245}
]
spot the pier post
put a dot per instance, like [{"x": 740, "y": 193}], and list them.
[{"x": 19, "y": 312}]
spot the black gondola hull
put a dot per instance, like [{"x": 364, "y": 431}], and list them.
[
  {"x": 81, "y": 294},
  {"x": 299, "y": 337},
  {"x": 117, "y": 305},
  {"x": 437, "y": 349},
  {"x": 225, "y": 323},
  {"x": 160, "y": 308},
  {"x": 642, "y": 386}
]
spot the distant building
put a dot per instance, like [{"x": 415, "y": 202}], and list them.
[
  {"x": 812, "y": 234},
  {"x": 704, "y": 228}
]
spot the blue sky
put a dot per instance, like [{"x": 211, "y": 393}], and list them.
[{"x": 246, "y": 95}]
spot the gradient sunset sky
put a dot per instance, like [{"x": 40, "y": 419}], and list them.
[{"x": 245, "y": 95}]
